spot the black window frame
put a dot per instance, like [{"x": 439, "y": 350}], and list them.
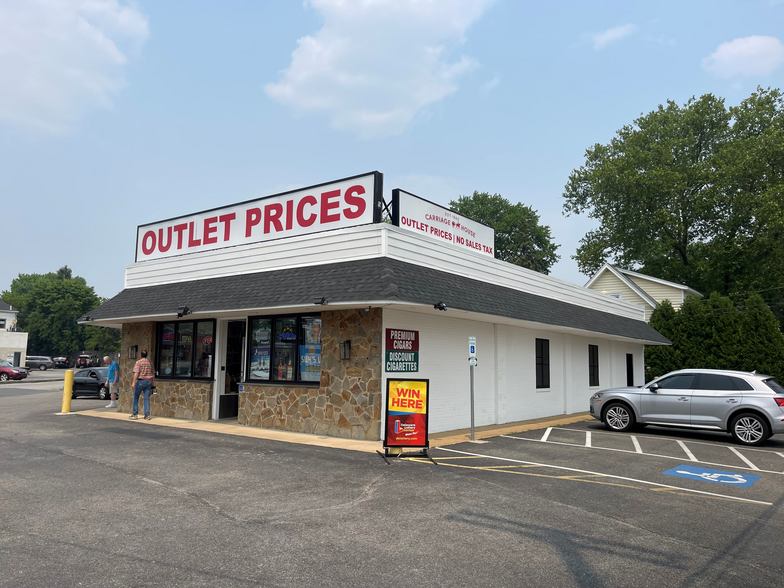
[
  {"x": 593, "y": 366},
  {"x": 542, "y": 363},
  {"x": 630, "y": 370},
  {"x": 194, "y": 326},
  {"x": 298, "y": 341}
]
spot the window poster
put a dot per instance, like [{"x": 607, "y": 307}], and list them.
[
  {"x": 310, "y": 350},
  {"x": 261, "y": 335},
  {"x": 407, "y": 412},
  {"x": 285, "y": 348}
]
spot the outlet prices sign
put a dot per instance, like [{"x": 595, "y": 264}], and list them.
[{"x": 407, "y": 411}]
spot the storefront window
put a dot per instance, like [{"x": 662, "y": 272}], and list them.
[
  {"x": 310, "y": 349},
  {"x": 285, "y": 353},
  {"x": 186, "y": 349},
  {"x": 285, "y": 349},
  {"x": 205, "y": 340},
  {"x": 260, "y": 348},
  {"x": 166, "y": 350},
  {"x": 184, "y": 356}
]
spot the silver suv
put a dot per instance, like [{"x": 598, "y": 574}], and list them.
[{"x": 748, "y": 405}]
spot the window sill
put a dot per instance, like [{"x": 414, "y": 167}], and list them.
[
  {"x": 184, "y": 379},
  {"x": 543, "y": 390},
  {"x": 283, "y": 384}
]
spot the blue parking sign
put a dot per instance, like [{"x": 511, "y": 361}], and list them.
[{"x": 713, "y": 476}]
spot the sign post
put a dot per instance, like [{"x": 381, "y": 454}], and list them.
[
  {"x": 472, "y": 361},
  {"x": 408, "y": 403}
]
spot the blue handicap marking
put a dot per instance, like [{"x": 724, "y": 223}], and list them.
[{"x": 714, "y": 476}]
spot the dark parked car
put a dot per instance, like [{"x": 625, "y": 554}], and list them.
[
  {"x": 90, "y": 382},
  {"x": 60, "y": 361},
  {"x": 9, "y": 372},
  {"x": 40, "y": 362}
]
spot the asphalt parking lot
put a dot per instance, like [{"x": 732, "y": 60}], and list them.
[
  {"x": 701, "y": 465},
  {"x": 89, "y": 501}
]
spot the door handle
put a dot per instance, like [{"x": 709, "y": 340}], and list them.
[
  {"x": 683, "y": 399},
  {"x": 732, "y": 401}
]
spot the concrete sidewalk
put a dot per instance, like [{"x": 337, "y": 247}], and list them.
[{"x": 231, "y": 427}]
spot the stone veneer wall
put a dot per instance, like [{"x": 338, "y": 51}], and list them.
[
  {"x": 347, "y": 403},
  {"x": 181, "y": 399}
]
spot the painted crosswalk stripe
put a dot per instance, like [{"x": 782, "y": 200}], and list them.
[
  {"x": 689, "y": 454},
  {"x": 546, "y": 434},
  {"x": 743, "y": 457},
  {"x": 637, "y": 447},
  {"x": 587, "y": 438}
]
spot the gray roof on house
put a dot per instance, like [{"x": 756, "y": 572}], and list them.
[
  {"x": 5, "y": 306},
  {"x": 366, "y": 280}
]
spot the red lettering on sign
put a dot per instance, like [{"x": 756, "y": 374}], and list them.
[
  {"x": 353, "y": 200},
  {"x": 272, "y": 214},
  {"x": 327, "y": 204},
  {"x": 180, "y": 229},
  {"x": 161, "y": 247},
  {"x": 226, "y": 220},
  {"x": 301, "y": 220},
  {"x": 289, "y": 214},
  {"x": 151, "y": 236},
  {"x": 252, "y": 218},
  {"x": 192, "y": 241},
  {"x": 210, "y": 228}
]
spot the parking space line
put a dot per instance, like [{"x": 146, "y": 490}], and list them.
[
  {"x": 546, "y": 434},
  {"x": 636, "y": 480},
  {"x": 724, "y": 465},
  {"x": 743, "y": 457},
  {"x": 587, "y": 438},
  {"x": 713, "y": 444},
  {"x": 637, "y": 447},
  {"x": 689, "y": 454}
]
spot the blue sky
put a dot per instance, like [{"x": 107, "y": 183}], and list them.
[{"x": 114, "y": 113}]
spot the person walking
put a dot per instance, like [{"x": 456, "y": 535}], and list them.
[
  {"x": 112, "y": 380},
  {"x": 143, "y": 380}
]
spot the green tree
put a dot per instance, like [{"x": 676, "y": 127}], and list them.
[
  {"x": 692, "y": 194},
  {"x": 715, "y": 333},
  {"x": 49, "y": 306},
  {"x": 519, "y": 238}
]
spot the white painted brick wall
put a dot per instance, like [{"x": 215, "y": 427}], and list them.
[{"x": 505, "y": 384}]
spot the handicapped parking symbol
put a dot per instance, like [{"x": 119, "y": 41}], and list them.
[
  {"x": 713, "y": 476},
  {"x": 717, "y": 477}
]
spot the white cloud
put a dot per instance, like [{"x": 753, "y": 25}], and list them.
[
  {"x": 489, "y": 85},
  {"x": 746, "y": 56},
  {"x": 376, "y": 64},
  {"x": 601, "y": 40},
  {"x": 59, "y": 59}
]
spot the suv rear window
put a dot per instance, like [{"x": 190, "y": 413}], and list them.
[{"x": 774, "y": 385}]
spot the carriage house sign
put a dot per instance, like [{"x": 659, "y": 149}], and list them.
[
  {"x": 402, "y": 351},
  {"x": 420, "y": 216},
  {"x": 335, "y": 205}
]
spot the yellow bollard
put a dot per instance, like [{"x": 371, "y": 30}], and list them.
[{"x": 67, "y": 390}]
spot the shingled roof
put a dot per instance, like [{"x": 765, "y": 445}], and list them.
[{"x": 374, "y": 279}]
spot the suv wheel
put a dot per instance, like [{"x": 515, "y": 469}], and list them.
[
  {"x": 42, "y": 367},
  {"x": 618, "y": 417},
  {"x": 749, "y": 429}
]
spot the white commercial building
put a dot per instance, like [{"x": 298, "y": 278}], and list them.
[{"x": 283, "y": 312}]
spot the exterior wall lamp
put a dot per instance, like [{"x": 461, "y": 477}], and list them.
[
  {"x": 345, "y": 349},
  {"x": 182, "y": 311},
  {"x": 440, "y": 306},
  {"x": 320, "y": 301}
]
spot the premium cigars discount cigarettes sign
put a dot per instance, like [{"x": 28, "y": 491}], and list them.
[
  {"x": 407, "y": 411},
  {"x": 402, "y": 351},
  {"x": 426, "y": 218},
  {"x": 339, "y": 204}
]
